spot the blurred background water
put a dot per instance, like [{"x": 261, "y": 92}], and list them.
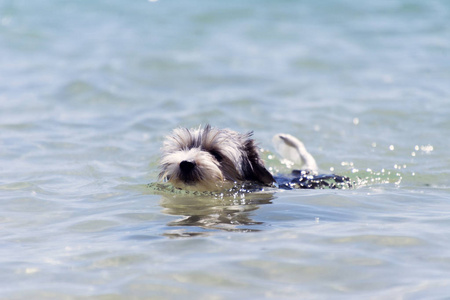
[{"x": 89, "y": 89}]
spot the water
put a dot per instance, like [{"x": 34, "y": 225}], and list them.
[{"x": 88, "y": 90}]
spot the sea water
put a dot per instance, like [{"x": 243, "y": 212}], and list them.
[{"x": 89, "y": 89}]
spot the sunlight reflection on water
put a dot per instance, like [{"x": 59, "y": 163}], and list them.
[{"x": 89, "y": 89}]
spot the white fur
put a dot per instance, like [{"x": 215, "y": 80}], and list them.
[
  {"x": 293, "y": 149},
  {"x": 221, "y": 158}
]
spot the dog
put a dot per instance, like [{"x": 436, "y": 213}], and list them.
[{"x": 212, "y": 159}]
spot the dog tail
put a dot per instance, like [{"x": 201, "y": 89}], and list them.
[{"x": 293, "y": 149}]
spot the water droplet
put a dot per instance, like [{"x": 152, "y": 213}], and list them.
[
  {"x": 427, "y": 148},
  {"x": 31, "y": 270}
]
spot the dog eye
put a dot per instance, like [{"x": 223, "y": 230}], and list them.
[{"x": 217, "y": 155}]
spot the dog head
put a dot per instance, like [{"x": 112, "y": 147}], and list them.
[{"x": 208, "y": 159}]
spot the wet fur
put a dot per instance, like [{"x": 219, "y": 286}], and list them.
[{"x": 221, "y": 157}]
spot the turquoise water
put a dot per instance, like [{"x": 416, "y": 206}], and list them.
[{"x": 88, "y": 90}]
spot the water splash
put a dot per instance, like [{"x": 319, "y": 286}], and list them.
[{"x": 238, "y": 191}]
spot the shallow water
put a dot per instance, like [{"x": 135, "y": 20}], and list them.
[{"x": 88, "y": 90}]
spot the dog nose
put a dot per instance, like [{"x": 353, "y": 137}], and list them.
[{"x": 187, "y": 166}]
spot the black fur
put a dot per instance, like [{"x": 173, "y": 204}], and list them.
[
  {"x": 254, "y": 169},
  {"x": 304, "y": 180}
]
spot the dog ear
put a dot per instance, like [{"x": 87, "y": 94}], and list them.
[{"x": 254, "y": 169}]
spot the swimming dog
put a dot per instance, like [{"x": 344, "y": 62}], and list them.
[{"x": 212, "y": 159}]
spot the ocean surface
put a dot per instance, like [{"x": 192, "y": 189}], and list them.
[{"x": 89, "y": 90}]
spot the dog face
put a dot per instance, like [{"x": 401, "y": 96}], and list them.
[{"x": 209, "y": 159}]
